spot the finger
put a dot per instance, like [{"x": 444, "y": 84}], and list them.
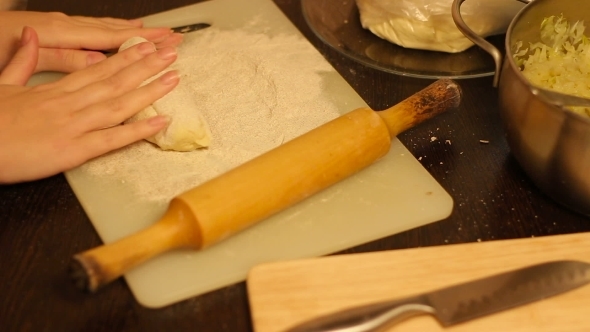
[
  {"x": 109, "y": 21},
  {"x": 128, "y": 78},
  {"x": 136, "y": 22},
  {"x": 106, "y": 68},
  {"x": 97, "y": 143},
  {"x": 66, "y": 60},
  {"x": 173, "y": 40},
  {"x": 123, "y": 81},
  {"x": 9, "y": 90},
  {"x": 100, "y": 38},
  {"x": 116, "y": 110},
  {"x": 23, "y": 63}
]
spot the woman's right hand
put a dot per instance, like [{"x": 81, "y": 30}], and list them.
[{"x": 69, "y": 43}]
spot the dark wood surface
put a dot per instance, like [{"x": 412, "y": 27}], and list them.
[{"x": 43, "y": 225}]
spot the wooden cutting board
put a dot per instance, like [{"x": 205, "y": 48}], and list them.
[
  {"x": 284, "y": 294},
  {"x": 393, "y": 195}
]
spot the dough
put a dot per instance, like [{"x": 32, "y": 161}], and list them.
[
  {"x": 428, "y": 24},
  {"x": 187, "y": 129}
]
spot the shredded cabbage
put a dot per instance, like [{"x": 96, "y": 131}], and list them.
[{"x": 561, "y": 61}]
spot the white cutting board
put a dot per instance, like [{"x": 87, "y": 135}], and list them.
[{"x": 394, "y": 195}]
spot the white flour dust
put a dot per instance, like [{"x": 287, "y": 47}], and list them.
[{"x": 255, "y": 91}]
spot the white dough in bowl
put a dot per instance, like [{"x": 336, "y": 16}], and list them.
[
  {"x": 428, "y": 24},
  {"x": 187, "y": 130}
]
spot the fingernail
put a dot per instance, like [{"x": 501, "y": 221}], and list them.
[
  {"x": 137, "y": 22},
  {"x": 26, "y": 35},
  {"x": 164, "y": 33},
  {"x": 170, "y": 77},
  {"x": 146, "y": 48},
  {"x": 167, "y": 53},
  {"x": 94, "y": 57},
  {"x": 159, "y": 121}
]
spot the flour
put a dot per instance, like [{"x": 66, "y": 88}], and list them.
[{"x": 255, "y": 91}]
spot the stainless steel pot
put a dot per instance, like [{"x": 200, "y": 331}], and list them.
[{"x": 551, "y": 143}]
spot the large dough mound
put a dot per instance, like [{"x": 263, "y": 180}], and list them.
[
  {"x": 428, "y": 24},
  {"x": 187, "y": 130}
]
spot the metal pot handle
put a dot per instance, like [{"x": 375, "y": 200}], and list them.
[{"x": 476, "y": 39}]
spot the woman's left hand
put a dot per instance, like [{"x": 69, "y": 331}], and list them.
[{"x": 54, "y": 127}]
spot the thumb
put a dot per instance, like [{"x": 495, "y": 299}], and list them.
[{"x": 23, "y": 63}]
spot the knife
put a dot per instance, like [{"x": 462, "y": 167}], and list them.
[
  {"x": 462, "y": 302},
  {"x": 191, "y": 27}
]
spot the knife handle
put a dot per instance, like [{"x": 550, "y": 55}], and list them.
[{"x": 371, "y": 317}]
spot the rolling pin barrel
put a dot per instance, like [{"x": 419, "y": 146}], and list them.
[{"x": 267, "y": 184}]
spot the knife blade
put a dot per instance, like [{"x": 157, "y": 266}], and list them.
[
  {"x": 459, "y": 303},
  {"x": 191, "y": 27}
]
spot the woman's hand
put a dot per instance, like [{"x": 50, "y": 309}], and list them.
[
  {"x": 70, "y": 43},
  {"x": 51, "y": 128}
]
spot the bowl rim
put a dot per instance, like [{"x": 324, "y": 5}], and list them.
[{"x": 513, "y": 66}]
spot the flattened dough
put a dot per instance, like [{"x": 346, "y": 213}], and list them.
[{"x": 188, "y": 130}]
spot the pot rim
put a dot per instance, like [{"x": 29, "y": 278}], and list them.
[{"x": 513, "y": 66}]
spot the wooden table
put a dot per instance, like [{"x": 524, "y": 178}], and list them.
[{"x": 43, "y": 224}]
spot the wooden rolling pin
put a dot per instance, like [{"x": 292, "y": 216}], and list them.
[{"x": 266, "y": 185}]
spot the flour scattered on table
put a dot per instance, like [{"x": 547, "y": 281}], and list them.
[{"x": 255, "y": 91}]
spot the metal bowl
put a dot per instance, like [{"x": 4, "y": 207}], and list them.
[{"x": 551, "y": 143}]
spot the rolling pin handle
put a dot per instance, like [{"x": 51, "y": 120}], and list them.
[
  {"x": 96, "y": 267},
  {"x": 438, "y": 97}
]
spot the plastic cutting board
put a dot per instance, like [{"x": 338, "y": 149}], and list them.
[{"x": 391, "y": 196}]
